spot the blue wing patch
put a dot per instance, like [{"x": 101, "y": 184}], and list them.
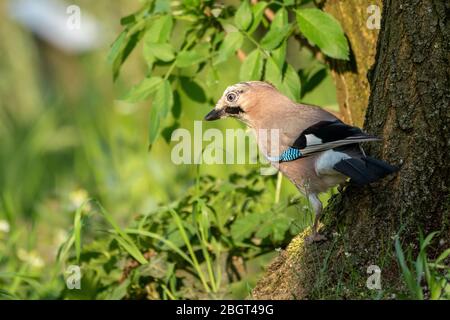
[{"x": 290, "y": 154}]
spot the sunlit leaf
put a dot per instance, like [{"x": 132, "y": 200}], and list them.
[
  {"x": 162, "y": 51},
  {"x": 251, "y": 68},
  {"x": 162, "y": 6},
  {"x": 142, "y": 90},
  {"x": 279, "y": 55},
  {"x": 244, "y": 16},
  {"x": 159, "y": 30},
  {"x": 273, "y": 73},
  {"x": 116, "y": 47},
  {"x": 323, "y": 30},
  {"x": 230, "y": 44},
  {"x": 161, "y": 105},
  {"x": 189, "y": 58},
  {"x": 121, "y": 49},
  {"x": 154, "y": 125},
  {"x": 291, "y": 83},
  {"x": 258, "y": 12},
  {"x": 163, "y": 98},
  {"x": 279, "y": 29}
]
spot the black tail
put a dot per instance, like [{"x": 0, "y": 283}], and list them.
[{"x": 364, "y": 170}]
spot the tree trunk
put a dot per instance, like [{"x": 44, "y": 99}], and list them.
[{"x": 409, "y": 108}]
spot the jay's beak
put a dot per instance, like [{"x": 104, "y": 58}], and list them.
[{"x": 214, "y": 115}]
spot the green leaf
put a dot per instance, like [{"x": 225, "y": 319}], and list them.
[
  {"x": 258, "y": 12},
  {"x": 121, "y": 49},
  {"x": 193, "y": 89},
  {"x": 244, "y": 227},
  {"x": 232, "y": 42},
  {"x": 406, "y": 272},
  {"x": 427, "y": 240},
  {"x": 188, "y": 58},
  {"x": 280, "y": 19},
  {"x": 149, "y": 58},
  {"x": 275, "y": 37},
  {"x": 323, "y": 30},
  {"x": 122, "y": 238},
  {"x": 161, "y": 105},
  {"x": 164, "y": 98},
  {"x": 142, "y": 90},
  {"x": 288, "y": 82},
  {"x": 443, "y": 256},
  {"x": 291, "y": 83},
  {"x": 244, "y": 16},
  {"x": 167, "y": 242},
  {"x": 279, "y": 55},
  {"x": 274, "y": 227},
  {"x": 116, "y": 47},
  {"x": 279, "y": 29},
  {"x": 160, "y": 30},
  {"x": 154, "y": 125},
  {"x": 161, "y": 51},
  {"x": 130, "y": 19},
  {"x": 162, "y": 6},
  {"x": 119, "y": 291},
  {"x": 251, "y": 68},
  {"x": 273, "y": 73}
]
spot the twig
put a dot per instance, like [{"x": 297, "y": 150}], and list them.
[
  {"x": 241, "y": 55},
  {"x": 267, "y": 12}
]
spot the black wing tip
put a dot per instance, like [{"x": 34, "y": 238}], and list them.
[
  {"x": 364, "y": 170},
  {"x": 383, "y": 164}
]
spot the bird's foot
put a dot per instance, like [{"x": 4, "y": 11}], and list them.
[
  {"x": 315, "y": 237},
  {"x": 342, "y": 186}
]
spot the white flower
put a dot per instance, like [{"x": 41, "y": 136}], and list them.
[
  {"x": 4, "y": 226},
  {"x": 78, "y": 197},
  {"x": 60, "y": 237},
  {"x": 31, "y": 258}
]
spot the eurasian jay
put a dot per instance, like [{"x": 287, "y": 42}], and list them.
[{"x": 315, "y": 151}]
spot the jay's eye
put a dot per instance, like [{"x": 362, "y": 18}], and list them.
[{"x": 231, "y": 97}]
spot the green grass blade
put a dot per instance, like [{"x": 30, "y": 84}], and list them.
[
  {"x": 443, "y": 256},
  {"x": 407, "y": 275},
  {"x": 426, "y": 242},
  {"x": 125, "y": 240},
  {"x": 204, "y": 245},
  {"x": 77, "y": 225},
  {"x": 169, "y": 243},
  {"x": 179, "y": 224}
]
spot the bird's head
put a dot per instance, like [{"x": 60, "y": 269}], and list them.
[{"x": 245, "y": 101}]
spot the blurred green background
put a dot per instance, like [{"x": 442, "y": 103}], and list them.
[{"x": 65, "y": 137}]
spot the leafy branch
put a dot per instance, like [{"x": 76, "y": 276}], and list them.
[{"x": 212, "y": 34}]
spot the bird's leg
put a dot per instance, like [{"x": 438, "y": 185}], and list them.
[
  {"x": 317, "y": 207},
  {"x": 342, "y": 186}
]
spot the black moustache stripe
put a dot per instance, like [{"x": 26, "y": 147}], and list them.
[{"x": 234, "y": 110}]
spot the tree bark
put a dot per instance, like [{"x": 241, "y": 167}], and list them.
[{"x": 409, "y": 108}]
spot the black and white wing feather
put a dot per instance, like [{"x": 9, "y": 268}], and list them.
[
  {"x": 326, "y": 135},
  {"x": 342, "y": 140}
]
